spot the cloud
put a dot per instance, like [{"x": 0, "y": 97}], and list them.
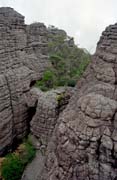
[{"x": 82, "y": 19}]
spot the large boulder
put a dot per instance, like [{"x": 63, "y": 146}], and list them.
[
  {"x": 84, "y": 142},
  {"x": 49, "y": 106},
  {"x": 23, "y": 59}
]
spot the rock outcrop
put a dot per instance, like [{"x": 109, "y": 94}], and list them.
[
  {"x": 84, "y": 142},
  {"x": 50, "y": 105},
  {"x": 23, "y": 59}
]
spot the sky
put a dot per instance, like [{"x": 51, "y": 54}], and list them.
[{"x": 82, "y": 19}]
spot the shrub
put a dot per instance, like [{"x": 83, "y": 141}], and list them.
[
  {"x": 47, "y": 82},
  {"x": 62, "y": 81},
  {"x": 28, "y": 154},
  {"x": 71, "y": 82},
  {"x": 12, "y": 167},
  {"x": 14, "y": 164}
]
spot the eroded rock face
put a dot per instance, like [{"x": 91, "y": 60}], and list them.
[
  {"x": 49, "y": 107},
  {"x": 84, "y": 143},
  {"x": 23, "y": 59}
]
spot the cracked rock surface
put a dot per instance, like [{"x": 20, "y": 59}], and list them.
[
  {"x": 84, "y": 143},
  {"x": 23, "y": 50},
  {"x": 50, "y": 105}
]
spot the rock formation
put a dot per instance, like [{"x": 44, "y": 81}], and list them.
[
  {"x": 84, "y": 142},
  {"x": 50, "y": 105},
  {"x": 23, "y": 58}
]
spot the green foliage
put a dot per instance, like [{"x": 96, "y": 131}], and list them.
[
  {"x": 71, "y": 82},
  {"x": 12, "y": 167},
  {"x": 62, "y": 81},
  {"x": 68, "y": 62},
  {"x": 29, "y": 152},
  {"x": 47, "y": 81},
  {"x": 60, "y": 97},
  {"x": 14, "y": 163}
]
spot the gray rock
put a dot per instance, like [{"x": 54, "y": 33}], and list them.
[
  {"x": 84, "y": 142},
  {"x": 50, "y": 106},
  {"x": 23, "y": 59}
]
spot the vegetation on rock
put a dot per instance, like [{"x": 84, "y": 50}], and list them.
[
  {"x": 14, "y": 163},
  {"x": 68, "y": 61}
]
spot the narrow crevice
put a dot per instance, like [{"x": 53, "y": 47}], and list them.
[
  {"x": 32, "y": 84},
  {"x": 11, "y": 105},
  {"x": 114, "y": 163},
  {"x": 112, "y": 121},
  {"x": 63, "y": 100},
  {"x": 31, "y": 114},
  {"x": 10, "y": 146},
  {"x": 98, "y": 148}
]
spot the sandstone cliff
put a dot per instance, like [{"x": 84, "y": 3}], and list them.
[
  {"x": 23, "y": 58},
  {"x": 84, "y": 143}
]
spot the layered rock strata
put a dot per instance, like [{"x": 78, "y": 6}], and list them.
[
  {"x": 50, "y": 105},
  {"x": 23, "y": 59},
  {"x": 84, "y": 142}
]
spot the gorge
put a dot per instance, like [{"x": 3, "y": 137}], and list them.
[{"x": 77, "y": 126}]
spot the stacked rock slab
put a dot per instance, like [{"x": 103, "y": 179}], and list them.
[
  {"x": 50, "y": 105},
  {"x": 84, "y": 143},
  {"x": 22, "y": 62}
]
